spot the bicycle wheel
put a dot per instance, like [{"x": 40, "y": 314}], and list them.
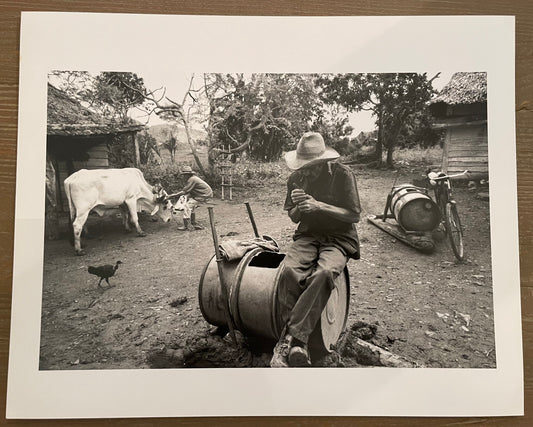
[{"x": 454, "y": 230}]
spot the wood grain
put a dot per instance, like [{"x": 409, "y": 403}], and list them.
[{"x": 522, "y": 9}]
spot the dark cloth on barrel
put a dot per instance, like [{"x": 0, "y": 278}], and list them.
[
  {"x": 336, "y": 185},
  {"x": 310, "y": 268},
  {"x": 232, "y": 250}
]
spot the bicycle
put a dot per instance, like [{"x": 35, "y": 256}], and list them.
[{"x": 442, "y": 188}]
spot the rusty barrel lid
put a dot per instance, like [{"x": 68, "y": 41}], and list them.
[{"x": 334, "y": 317}]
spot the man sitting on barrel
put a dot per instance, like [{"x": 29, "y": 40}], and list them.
[{"x": 322, "y": 198}]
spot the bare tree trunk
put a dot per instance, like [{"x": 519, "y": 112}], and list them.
[
  {"x": 193, "y": 147},
  {"x": 210, "y": 143},
  {"x": 390, "y": 151},
  {"x": 391, "y": 144},
  {"x": 379, "y": 142}
]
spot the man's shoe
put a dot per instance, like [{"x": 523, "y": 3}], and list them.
[
  {"x": 299, "y": 357},
  {"x": 281, "y": 352}
]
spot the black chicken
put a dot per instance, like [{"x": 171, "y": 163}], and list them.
[{"x": 104, "y": 271}]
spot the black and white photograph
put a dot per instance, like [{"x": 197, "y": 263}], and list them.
[
  {"x": 230, "y": 222},
  {"x": 293, "y": 177}
]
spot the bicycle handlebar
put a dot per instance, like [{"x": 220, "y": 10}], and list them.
[{"x": 436, "y": 177}]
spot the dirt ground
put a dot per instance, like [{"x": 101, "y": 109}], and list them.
[{"x": 427, "y": 309}]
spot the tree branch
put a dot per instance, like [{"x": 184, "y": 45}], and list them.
[
  {"x": 434, "y": 77},
  {"x": 188, "y": 90}
]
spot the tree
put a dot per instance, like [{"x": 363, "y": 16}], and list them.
[
  {"x": 335, "y": 130},
  {"x": 115, "y": 93},
  {"x": 171, "y": 144},
  {"x": 397, "y": 100},
  {"x": 262, "y": 113},
  {"x": 148, "y": 148}
]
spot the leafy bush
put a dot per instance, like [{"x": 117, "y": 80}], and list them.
[
  {"x": 168, "y": 175},
  {"x": 250, "y": 173},
  {"x": 121, "y": 152}
]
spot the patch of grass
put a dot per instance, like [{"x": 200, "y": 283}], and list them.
[
  {"x": 250, "y": 173},
  {"x": 419, "y": 155}
]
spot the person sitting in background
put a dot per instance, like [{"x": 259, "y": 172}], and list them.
[
  {"x": 197, "y": 191},
  {"x": 322, "y": 199}
]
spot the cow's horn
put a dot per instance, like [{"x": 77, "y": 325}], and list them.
[{"x": 155, "y": 210}]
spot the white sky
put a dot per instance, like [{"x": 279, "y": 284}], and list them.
[{"x": 176, "y": 83}]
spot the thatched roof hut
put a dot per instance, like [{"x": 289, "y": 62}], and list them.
[
  {"x": 464, "y": 89},
  {"x": 67, "y": 117},
  {"x": 78, "y": 138},
  {"x": 461, "y": 109}
]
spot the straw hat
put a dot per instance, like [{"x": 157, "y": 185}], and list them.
[
  {"x": 310, "y": 149},
  {"x": 186, "y": 170}
]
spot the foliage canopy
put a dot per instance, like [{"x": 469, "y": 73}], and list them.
[{"x": 397, "y": 100}]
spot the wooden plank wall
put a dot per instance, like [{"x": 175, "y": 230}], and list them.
[{"x": 467, "y": 148}]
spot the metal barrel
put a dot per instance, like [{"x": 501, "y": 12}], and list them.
[
  {"x": 413, "y": 209},
  {"x": 253, "y": 286}
]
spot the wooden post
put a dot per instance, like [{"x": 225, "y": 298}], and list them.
[
  {"x": 137, "y": 151},
  {"x": 230, "y": 185},
  {"x": 252, "y": 220},
  {"x": 221, "y": 278},
  {"x": 446, "y": 150},
  {"x": 51, "y": 206},
  {"x": 222, "y": 175}
]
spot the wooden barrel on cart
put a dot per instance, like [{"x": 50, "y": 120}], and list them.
[
  {"x": 253, "y": 285},
  {"x": 413, "y": 209}
]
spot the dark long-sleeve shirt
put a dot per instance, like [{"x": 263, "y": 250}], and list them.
[{"x": 336, "y": 185}]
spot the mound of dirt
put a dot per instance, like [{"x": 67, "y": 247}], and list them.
[
  {"x": 210, "y": 351},
  {"x": 215, "y": 351}
]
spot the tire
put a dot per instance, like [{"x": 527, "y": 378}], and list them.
[{"x": 454, "y": 231}]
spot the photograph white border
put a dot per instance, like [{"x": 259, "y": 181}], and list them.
[{"x": 119, "y": 42}]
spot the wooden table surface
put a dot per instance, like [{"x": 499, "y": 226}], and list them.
[{"x": 9, "y": 51}]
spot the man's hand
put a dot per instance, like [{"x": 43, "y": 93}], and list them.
[
  {"x": 298, "y": 195},
  {"x": 309, "y": 205},
  {"x": 304, "y": 202}
]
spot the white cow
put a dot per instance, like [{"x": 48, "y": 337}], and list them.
[{"x": 100, "y": 190}]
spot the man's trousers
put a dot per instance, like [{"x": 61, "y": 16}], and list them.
[{"x": 310, "y": 268}]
